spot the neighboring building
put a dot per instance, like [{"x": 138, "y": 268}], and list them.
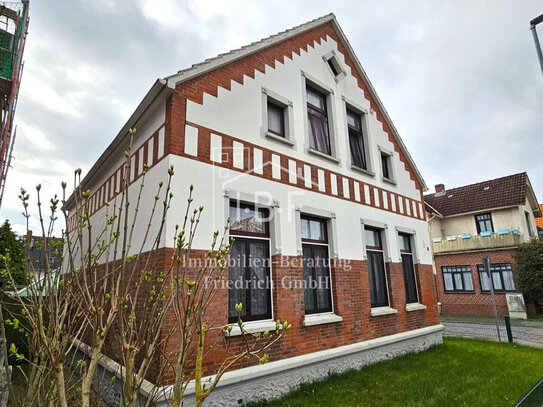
[
  {"x": 288, "y": 137},
  {"x": 487, "y": 219},
  {"x": 539, "y": 222},
  {"x": 36, "y": 253}
]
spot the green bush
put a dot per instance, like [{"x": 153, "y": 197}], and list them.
[{"x": 529, "y": 271}]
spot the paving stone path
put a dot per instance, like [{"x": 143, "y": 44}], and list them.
[{"x": 524, "y": 332}]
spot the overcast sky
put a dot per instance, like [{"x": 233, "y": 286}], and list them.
[{"x": 460, "y": 79}]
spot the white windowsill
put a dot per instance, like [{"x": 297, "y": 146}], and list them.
[
  {"x": 380, "y": 311},
  {"x": 388, "y": 180},
  {"x": 320, "y": 319},
  {"x": 280, "y": 139},
  {"x": 416, "y": 306},
  {"x": 253, "y": 327},
  {"x": 362, "y": 170},
  {"x": 323, "y": 155}
]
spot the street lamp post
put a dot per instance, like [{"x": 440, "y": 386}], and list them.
[{"x": 533, "y": 23}]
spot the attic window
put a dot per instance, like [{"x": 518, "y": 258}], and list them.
[{"x": 334, "y": 65}]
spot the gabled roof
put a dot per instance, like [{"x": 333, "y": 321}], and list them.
[
  {"x": 211, "y": 64},
  {"x": 501, "y": 192},
  {"x": 164, "y": 87}
]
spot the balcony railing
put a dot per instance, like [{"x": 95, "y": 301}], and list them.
[{"x": 467, "y": 242}]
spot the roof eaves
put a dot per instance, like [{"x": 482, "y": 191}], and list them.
[{"x": 158, "y": 87}]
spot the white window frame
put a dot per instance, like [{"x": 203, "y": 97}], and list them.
[
  {"x": 274, "y": 228},
  {"x": 308, "y": 80},
  {"x": 331, "y": 57},
  {"x": 288, "y": 117},
  {"x": 364, "y": 116},
  {"x": 384, "y": 310},
  {"x": 392, "y": 179},
  {"x": 330, "y": 217}
]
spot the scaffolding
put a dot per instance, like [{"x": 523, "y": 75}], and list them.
[{"x": 13, "y": 30}]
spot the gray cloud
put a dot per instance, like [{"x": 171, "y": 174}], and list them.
[{"x": 460, "y": 79}]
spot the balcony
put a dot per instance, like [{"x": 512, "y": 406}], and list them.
[{"x": 466, "y": 242}]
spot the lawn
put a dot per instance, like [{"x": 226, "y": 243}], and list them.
[{"x": 461, "y": 372}]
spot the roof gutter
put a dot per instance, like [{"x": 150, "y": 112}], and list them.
[{"x": 156, "y": 90}]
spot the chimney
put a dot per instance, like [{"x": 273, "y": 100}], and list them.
[{"x": 440, "y": 188}]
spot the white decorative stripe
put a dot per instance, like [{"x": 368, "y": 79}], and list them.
[
  {"x": 385, "y": 200},
  {"x": 276, "y": 166},
  {"x": 414, "y": 209},
  {"x": 407, "y": 207},
  {"x": 400, "y": 203},
  {"x": 356, "y": 187},
  {"x": 393, "y": 202},
  {"x": 367, "y": 194},
  {"x": 150, "y": 146},
  {"x": 346, "y": 191},
  {"x": 160, "y": 143},
  {"x": 215, "y": 146},
  {"x": 292, "y": 177},
  {"x": 307, "y": 176},
  {"x": 322, "y": 183},
  {"x": 237, "y": 148},
  {"x": 376, "y": 197},
  {"x": 421, "y": 213},
  {"x": 191, "y": 140},
  {"x": 257, "y": 161},
  {"x": 333, "y": 183},
  {"x": 140, "y": 160}
]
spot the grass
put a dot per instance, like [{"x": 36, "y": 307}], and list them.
[{"x": 461, "y": 372}]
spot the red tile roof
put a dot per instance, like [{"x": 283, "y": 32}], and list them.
[
  {"x": 539, "y": 221},
  {"x": 496, "y": 193}
]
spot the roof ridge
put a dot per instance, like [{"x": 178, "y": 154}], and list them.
[
  {"x": 480, "y": 182},
  {"x": 325, "y": 17}
]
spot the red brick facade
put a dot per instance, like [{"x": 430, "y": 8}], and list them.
[
  {"x": 351, "y": 301},
  {"x": 476, "y": 302}
]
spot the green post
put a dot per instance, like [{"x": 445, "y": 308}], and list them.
[{"x": 508, "y": 328}]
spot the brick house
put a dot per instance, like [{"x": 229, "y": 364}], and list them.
[
  {"x": 487, "y": 219},
  {"x": 539, "y": 222},
  {"x": 289, "y": 138}
]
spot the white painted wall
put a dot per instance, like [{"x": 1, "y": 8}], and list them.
[{"x": 238, "y": 112}]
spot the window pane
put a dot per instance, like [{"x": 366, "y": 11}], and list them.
[
  {"x": 259, "y": 287},
  {"x": 358, "y": 154},
  {"x": 236, "y": 277},
  {"x": 448, "y": 281},
  {"x": 508, "y": 281},
  {"x": 353, "y": 120},
  {"x": 309, "y": 295},
  {"x": 497, "y": 281},
  {"x": 316, "y": 99},
  {"x": 322, "y": 276},
  {"x": 405, "y": 243},
  {"x": 319, "y": 138},
  {"x": 372, "y": 237},
  {"x": 409, "y": 279},
  {"x": 313, "y": 229},
  {"x": 458, "y": 281},
  {"x": 275, "y": 119},
  {"x": 485, "y": 281},
  {"x": 246, "y": 219},
  {"x": 385, "y": 165},
  {"x": 376, "y": 272},
  {"x": 468, "y": 282}
]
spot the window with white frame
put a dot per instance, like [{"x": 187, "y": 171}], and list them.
[
  {"x": 386, "y": 166},
  {"x": 317, "y": 116},
  {"x": 376, "y": 267},
  {"x": 316, "y": 265},
  {"x": 249, "y": 263},
  {"x": 357, "y": 142},
  {"x": 408, "y": 266}
]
